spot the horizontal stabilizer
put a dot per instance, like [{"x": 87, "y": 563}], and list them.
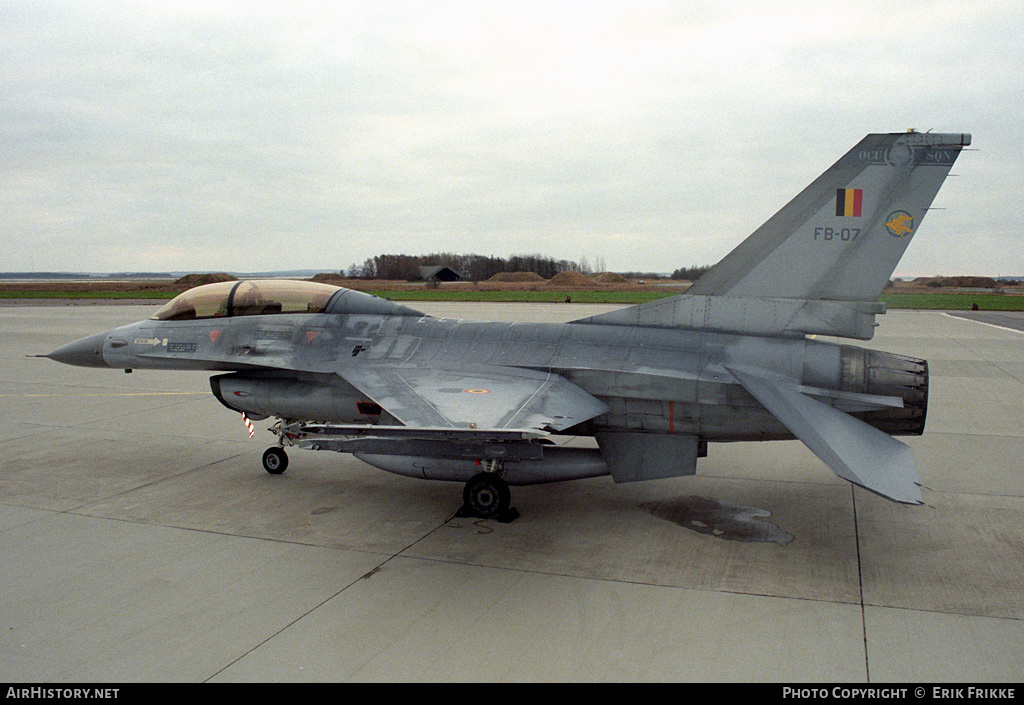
[{"x": 853, "y": 450}]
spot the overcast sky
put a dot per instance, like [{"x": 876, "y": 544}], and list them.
[{"x": 246, "y": 136}]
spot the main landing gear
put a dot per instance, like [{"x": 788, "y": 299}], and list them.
[{"x": 487, "y": 496}]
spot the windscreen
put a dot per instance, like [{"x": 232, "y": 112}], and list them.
[{"x": 207, "y": 301}]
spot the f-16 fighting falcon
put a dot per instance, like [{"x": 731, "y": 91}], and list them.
[{"x": 735, "y": 358}]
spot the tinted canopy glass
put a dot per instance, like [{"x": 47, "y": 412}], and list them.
[{"x": 247, "y": 298}]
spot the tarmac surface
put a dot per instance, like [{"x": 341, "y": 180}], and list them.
[{"x": 140, "y": 540}]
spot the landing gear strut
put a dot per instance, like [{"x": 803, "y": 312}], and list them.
[
  {"x": 275, "y": 460},
  {"x": 487, "y": 496}
]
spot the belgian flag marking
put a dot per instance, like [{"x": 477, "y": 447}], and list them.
[{"x": 848, "y": 201}]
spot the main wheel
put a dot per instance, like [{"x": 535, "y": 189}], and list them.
[
  {"x": 275, "y": 460},
  {"x": 486, "y": 495}
]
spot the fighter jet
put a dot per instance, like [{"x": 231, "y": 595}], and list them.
[{"x": 736, "y": 358}]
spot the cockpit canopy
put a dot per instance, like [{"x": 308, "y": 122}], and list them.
[
  {"x": 272, "y": 296},
  {"x": 247, "y": 298}
]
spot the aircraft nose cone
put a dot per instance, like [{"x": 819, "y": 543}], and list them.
[{"x": 85, "y": 352}]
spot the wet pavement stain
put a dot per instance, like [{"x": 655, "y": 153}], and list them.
[{"x": 724, "y": 520}]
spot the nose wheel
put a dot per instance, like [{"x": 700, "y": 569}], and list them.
[{"x": 275, "y": 460}]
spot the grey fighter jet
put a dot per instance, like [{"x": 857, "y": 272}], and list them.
[{"x": 735, "y": 358}]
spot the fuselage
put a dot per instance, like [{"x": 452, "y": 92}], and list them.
[{"x": 658, "y": 380}]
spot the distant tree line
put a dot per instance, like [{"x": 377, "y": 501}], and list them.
[
  {"x": 43, "y": 275},
  {"x": 483, "y": 267},
  {"x": 473, "y": 267},
  {"x": 642, "y": 275},
  {"x": 690, "y": 273}
]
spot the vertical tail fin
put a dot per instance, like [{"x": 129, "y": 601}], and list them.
[{"x": 841, "y": 238}]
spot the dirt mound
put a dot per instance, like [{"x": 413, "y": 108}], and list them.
[
  {"x": 563, "y": 279},
  {"x": 329, "y": 278},
  {"x": 965, "y": 282},
  {"x": 191, "y": 280},
  {"x": 610, "y": 278},
  {"x": 516, "y": 277}
]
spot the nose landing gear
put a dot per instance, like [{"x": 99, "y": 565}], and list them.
[{"x": 275, "y": 460}]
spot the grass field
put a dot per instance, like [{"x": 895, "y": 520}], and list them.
[
  {"x": 954, "y": 302},
  {"x": 97, "y": 294},
  {"x": 894, "y": 300}
]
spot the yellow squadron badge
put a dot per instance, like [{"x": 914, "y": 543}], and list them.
[{"x": 899, "y": 223}]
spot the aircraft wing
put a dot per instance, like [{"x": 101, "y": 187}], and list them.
[
  {"x": 853, "y": 450},
  {"x": 475, "y": 398}
]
